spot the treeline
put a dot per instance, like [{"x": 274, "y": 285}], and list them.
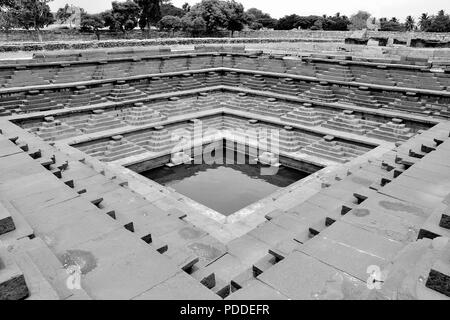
[{"x": 205, "y": 17}]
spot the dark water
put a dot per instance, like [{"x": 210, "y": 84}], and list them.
[{"x": 224, "y": 188}]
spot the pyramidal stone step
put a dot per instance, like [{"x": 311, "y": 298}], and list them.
[
  {"x": 346, "y": 121},
  {"x": 123, "y": 92},
  {"x": 141, "y": 114},
  {"x": 99, "y": 121},
  {"x": 320, "y": 91},
  {"x": 288, "y": 140},
  {"x": 52, "y": 129},
  {"x": 394, "y": 130},
  {"x": 160, "y": 140},
  {"x": 82, "y": 96},
  {"x": 304, "y": 115},
  {"x": 119, "y": 148}
]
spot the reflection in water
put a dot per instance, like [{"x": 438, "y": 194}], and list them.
[{"x": 224, "y": 188}]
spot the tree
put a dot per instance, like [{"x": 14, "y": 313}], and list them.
[
  {"x": 358, "y": 21},
  {"x": 92, "y": 23},
  {"x": 391, "y": 25},
  {"x": 170, "y": 23},
  {"x": 235, "y": 16},
  {"x": 34, "y": 14},
  {"x": 150, "y": 13},
  {"x": 424, "y": 22},
  {"x": 170, "y": 10},
  {"x": 195, "y": 25},
  {"x": 440, "y": 22},
  {"x": 7, "y": 20},
  {"x": 256, "y": 16},
  {"x": 212, "y": 12},
  {"x": 409, "y": 23},
  {"x": 63, "y": 14},
  {"x": 288, "y": 22},
  {"x": 186, "y": 7},
  {"x": 124, "y": 16}
]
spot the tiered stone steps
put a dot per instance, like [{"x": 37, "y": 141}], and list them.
[
  {"x": 188, "y": 82},
  {"x": 346, "y": 121},
  {"x": 362, "y": 97},
  {"x": 52, "y": 129},
  {"x": 84, "y": 97},
  {"x": 141, "y": 114},
  {"x": 394, "y": 131},
  {"x": 160, "y": 140},
  {"x": 37, "y": 101},
  {"x": 119, "y": 148},
  {"x": 286, "y": 86},
  {"x": 408, "y": 103},
  {"x": 206, "y": 101},
  {"x": 288, "y": 140},
  {"x": 241, "y": 101},
  {"x": 231, "y": 79},
  {"x": 298, "y": 67},
  {"x": 304, "y": 115},
  {"x": 320, "y": 91},
  {"x": 269, "y": 107},
  {"x": 327, "y": 148},
  {"x": 256, "y": 82},
  {"x": 99, "y": 121},
  {"x": 123, "y": 92},
  {"x": 158, "y": 85},
  {"x": 213, "y": 79}
]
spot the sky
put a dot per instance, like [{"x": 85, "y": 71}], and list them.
[{"x": 279, "y": 8}]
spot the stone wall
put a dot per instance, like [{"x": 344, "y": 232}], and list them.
[{"x": 73, "y": 35}]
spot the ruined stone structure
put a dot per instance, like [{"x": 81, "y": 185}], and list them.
[{"x": 77, "y": 221}]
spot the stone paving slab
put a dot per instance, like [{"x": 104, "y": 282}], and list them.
[
  {"x": 271, "y": 233},
  {"x": 66, "y": 224},
  {"x": 8, "y": 148},
  {"x": 119, "y": 266},
  {"x": 302, "y": 277},
  {"x": 248, "y": 249},
  {"x": 256, "y": 290},
  {"x": 179, "y": 287},
  {"x": 18, "y": 165},
  {"x": 351, "y": 249},
  {"x": 404, "y": 193}
]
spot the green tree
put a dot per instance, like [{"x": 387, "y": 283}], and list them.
[
  {"x": 410, "y": 23},
  {"x": 194, "y": 25},
  {"x": 33, "y": 14},
  {"x": 124, "y": 16},
  {"x": 170, "y": 24},
  {"x": 63, "y": 14},
  {"x": 92, "y": 23},
  {"x": 186, "y": 7},
  {"x": 264, "y": 19},
  {"x": 440, "y": 22},
  {"x": 235, "y": 16},
  {"x": 171, "y": 10},
  {"x": 212, "y": 12},
  {"x": 150, "y": 12},
  {"x": 425, "y": 22},
  {"x": 391, "y": 25},
  {"x": 358, "y": 21}
]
